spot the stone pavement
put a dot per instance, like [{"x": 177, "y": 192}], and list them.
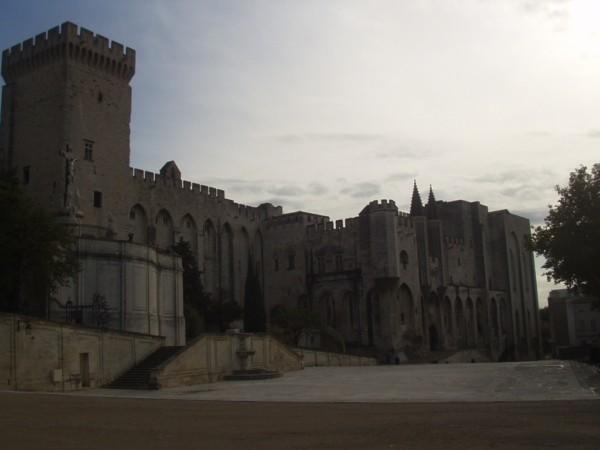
[{"x": 485, "y": 382}]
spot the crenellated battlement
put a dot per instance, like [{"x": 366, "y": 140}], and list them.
[
  {"x": 68, "y": 41},
  {"x": 380, "y": 205},
  {"x": 330, "y": 227},
  {"x": 208, "y": 192}
]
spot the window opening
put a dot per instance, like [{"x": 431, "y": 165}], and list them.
[
  {"x": 88, "y": 150},
  {"x": 26, "y": 173},
  {"x": 97, "y": 199}
]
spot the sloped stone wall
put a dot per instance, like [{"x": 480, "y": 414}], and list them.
[
  {"x": 210, "y": 357},
  {"x": 39, "y": 355}
]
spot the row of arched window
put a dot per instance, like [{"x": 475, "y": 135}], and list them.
[{"x": 217, "y": 255}]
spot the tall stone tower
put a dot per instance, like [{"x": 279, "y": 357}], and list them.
[{"x": 66, "y": 110}]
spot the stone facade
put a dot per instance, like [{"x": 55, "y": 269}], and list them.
[{"x": 448, "y": 275}]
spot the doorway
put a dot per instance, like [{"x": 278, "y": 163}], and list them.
[
  {"x": 434, "y": 343},
  {"x": 84, "y": 369}
]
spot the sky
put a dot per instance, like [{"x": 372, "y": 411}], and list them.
[{"x": 325, "y": 106}]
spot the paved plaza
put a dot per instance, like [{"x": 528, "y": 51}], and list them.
[
  {"x": 484, "y": 382},
  {"x": 527, "y": 405}
]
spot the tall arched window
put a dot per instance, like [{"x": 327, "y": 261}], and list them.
[
  {"x": 164, "y": 230},
  {"x": 328, "y": 307},
  {"x": 189, "y": 232},
  {"x": 243, "y": 260},
  {"x": 138, "y": 221},
  {"x": 210, "y": 256},
  {"x": 404, "y": 259},
  {"x": 461, "y": 323},
  {"x": 226, "y": 268},
  {"x": 405, "y": 306}
]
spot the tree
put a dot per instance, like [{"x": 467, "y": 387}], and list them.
[
  {"x": 290, "y": 323},
  {"x": 101, "y": 315},
  {"x": 570, "y": 236},
  {"x": 36, "y": 253},
  {"x": 221, "y": 313},
  {"x": 201, "y": 311},
  {"x": 254, "y": 305},
  {"x": 195, "y": 300}
]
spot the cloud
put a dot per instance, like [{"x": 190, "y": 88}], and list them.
[
  {"x": 357, "y": 138},
  {"x": 555, "y": 12},
  {"x": 317, "y": 189},
  {"x": 403, "y": 149},
  {"x": 360, "y": 190},
  {"x": 400, "y": 176},
  {"x": 286, "y": 191},
  {"x": 526, "y": 176},
  {"x": 548, "y": 7},
  {"x": 535, "y": 215},
  {"x": 237, "y": 184},
  {"x": 593, "y": 134},
  {"x": 538, "y": 133}
]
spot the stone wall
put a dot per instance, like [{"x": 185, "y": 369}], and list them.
[
  {"x": 315, "y": 358},
  {"x": 40, "y": 355}
]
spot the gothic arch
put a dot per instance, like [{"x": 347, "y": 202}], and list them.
[
  {"x": 494, "y": 318},
  {"x": 189, "y": 232},
  {"x": 406, "y": 307},
  {"x": 373, "y": 315},
  {"x": 470, "y": 335},
  {"x": 434, "y": 321},
  {"x": 210, "y": 256},
  {"x": 349, "y": 312},
  {"x": 461, "y": 323},
  {"x": 243, "y": 261},
  {"x": 138, "y": 221},
  {"x": 257, "y": 253},
  {"x": 447, "y": 314},
  {"x": 164, "y": 230},
  {"x": 327, "y": 306},
  {"x": 227, "y": 263},
  {"x": 481, "y": 321}
]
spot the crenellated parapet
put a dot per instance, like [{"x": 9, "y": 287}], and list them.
[
  {"x": 68, "y": 42},
  {"x": 207, "y": 193},
  {"x": 380, "y": 206},
  {"x": 329, "y": 227},
  {"x": 405, "y": 220}
]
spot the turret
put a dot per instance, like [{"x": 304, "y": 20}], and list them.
[
  {"x": 68, "y": 42},
  {"x": 66, "y": 110},
  {"x": 378, "y": 223}
]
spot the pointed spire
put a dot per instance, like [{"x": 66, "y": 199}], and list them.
[
  {"x": 416, "y": 206},
  {"x": 431, "y": 199},
  {"x": 431, "y": 207}
]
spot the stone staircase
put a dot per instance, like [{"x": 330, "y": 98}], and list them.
[{"x": 139, "y": 376}]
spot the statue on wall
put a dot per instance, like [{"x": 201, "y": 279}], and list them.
[{"x": 71, "y": 195}]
